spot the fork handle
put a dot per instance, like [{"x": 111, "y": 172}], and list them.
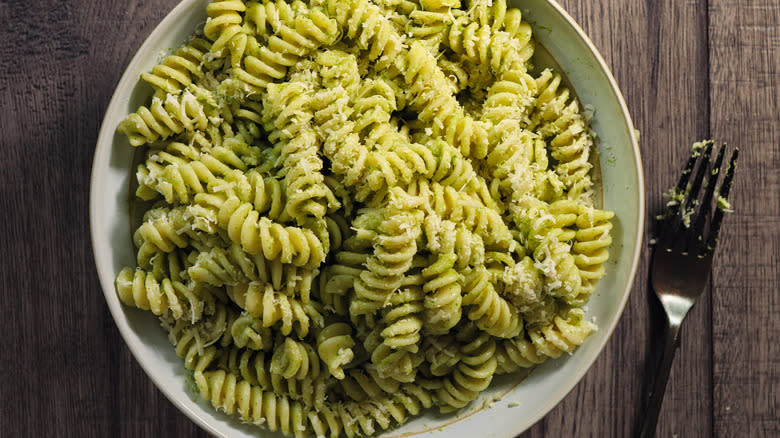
[{"x": 656, "y": 396}]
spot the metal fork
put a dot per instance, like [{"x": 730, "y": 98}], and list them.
[{"x": 683, "y": 255}]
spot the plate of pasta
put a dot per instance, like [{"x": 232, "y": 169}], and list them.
[{"x": 366, "y": 217}]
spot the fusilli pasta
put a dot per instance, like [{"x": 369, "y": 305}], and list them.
[{"x": 356, "y": 210}]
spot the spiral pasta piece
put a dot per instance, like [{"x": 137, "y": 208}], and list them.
[
  {"x": 522, "y": 283},
  {"x": 224, "y": 21},
  {"x": 338, "y": 231},
  {"x": 286, "y": 111},
  {"x": 261, "y": 235},
  {"x": 498, "y": 51},
  {"x": 333, "y": 290},
  {"x": 508, "y": 164},
  {"x": 172, "y": 265},
  {"x": 286, "y": 115},
  {"x": 454, "y": 170},
  {"x": 295, "y": 360},
  {"x": 429, "y": 23},
  {"x": 247, "y": 331},
  {"x": 499, "y": 16},
  {"x": 473, "y": 373},
  {"x": 564, "y": 334},
  {"x": 337, "y": 281},
  {"x": 590, "y": 242},
  {"x": 353, "y": 419},
  {"x": 140, "y": 289},
  {"x": 267, "y": 17},
  {"x": 364, "y": 383},
  {"x": 308, "y": 198},
  {"x": 334, "y": 346},
  {"x": 338, "y": 69},
  {"x": 391, "y": 363},
  {"x": 224, "y": 157},
  {"x": 364, "y": 23},
  {"x": 262, "y": 301},
  {"x": 442, "y": 353},
  {"x": 402, "y": 318},
  {"x": 178, "y": 179},
  {"x": 435, "y": 104},
  {"x": 190, "y": 346},
  {"x": 244, "y": 120},
  {"x": 166, "y": 117},
  {"x": 558, "y": 118},
  {"x": 340, "y": 418},
  {"x": 553, "y": 258},
  {"x": 395, "y": 244},
  {"x": 371, "y": 112},
  {"x": 341, "y": 145},
  {"x": 491, "y": 312},
  {"x": 443, "y": 294},
  {"x": 232, "y": 265},
  {"x": 510, "y": 99},
  {"x": 177, "y": 71},
  {"x": 238, "y": 121},
  {"x": 518, "y": 167},
  {"x": 265, "y": 195},
  {"x": 547, "y": 240},
  {"x": 466, "y": 210},
  {"x": 212, "y": 328},
  {"x": 516, "y": 353},
  {"x": 381, "y": 405},
  {"x": 491, "y": 35},
  {"x": 234, "y": 396},
  {"x": 250, "y": 365},
  {"x": 375, "y": 171},
  {"x": 164, "y": 230},
  {"x": 295, "y": 38},
  {"x": 255, "y": 368},
  {"x": 443, "y": 236}
]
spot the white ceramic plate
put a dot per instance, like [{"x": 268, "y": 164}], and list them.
[{"x": 530, "y": 399}]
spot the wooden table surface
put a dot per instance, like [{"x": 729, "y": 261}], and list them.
[{"x": 688, "y": 69}]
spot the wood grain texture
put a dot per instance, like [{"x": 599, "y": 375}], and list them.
[
  {"x": 65, "y": 368},
  {"x": 744, "y": 78},
  {"x": 688, "y": 70}
]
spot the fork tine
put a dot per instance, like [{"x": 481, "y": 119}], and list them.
[
  {"x": 692, "y": 195},
  {"x": 672, "y": 220},
  {"x": 682, "y": 183},
  {"x": 723, "y": 193},
  {"x": 696, "y": 237},
  {"x": 691, "y": 200}
]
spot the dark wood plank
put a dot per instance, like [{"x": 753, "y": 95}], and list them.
[
  {"x": 141, "y": 409},
  {"x": 744, "y": 78},
  {"x": 66, "y": 370},
  {"x": 657, "y": 53}
]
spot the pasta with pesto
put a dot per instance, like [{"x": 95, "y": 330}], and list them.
[{"x": 356, "y": 210}]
